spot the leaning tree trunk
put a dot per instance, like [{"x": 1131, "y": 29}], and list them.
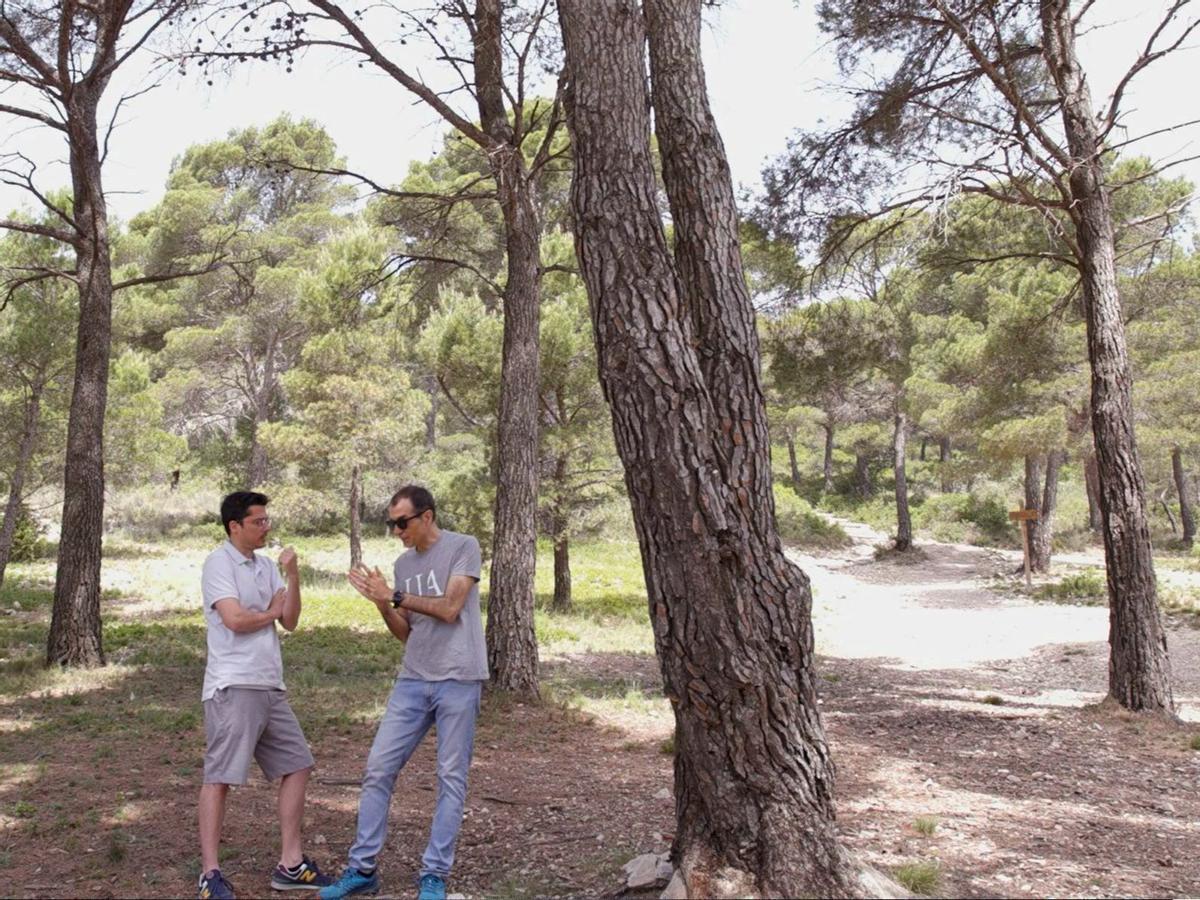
[
  {"x": 511, "y": 641},
  {"x": 1041, "y": 549},
  {"x": 75, "y": 635},
  {"x": 1091, "y": 480},
  {"x": 794, "y": 466},
  {"x": 730, "y": 613},
  {"x": 1186, "y": 516},
  {"x": 827, "y": 462},
  {"x": 1139, "y": 670},
  {"x": 16, "y": 482},
  {"x": 899, "y": 444},
  {"x": 355, "y": 515}
]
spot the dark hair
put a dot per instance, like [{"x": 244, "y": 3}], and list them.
[
  {"x": 419, "y": 497},
  {"x": 235, "y": 506}
]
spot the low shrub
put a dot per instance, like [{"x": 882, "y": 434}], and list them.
[{"x": 801, "y": 526}]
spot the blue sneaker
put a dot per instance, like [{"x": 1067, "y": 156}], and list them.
[
  {"x": 433, "y": 887},
  {"x": 352, "y": 882},
  {"x": 213, "y": 886}
]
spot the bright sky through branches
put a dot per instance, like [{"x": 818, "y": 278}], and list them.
[{"x": 766, "y": 68}]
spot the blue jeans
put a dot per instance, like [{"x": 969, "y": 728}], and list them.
[{"x": 413, "y": 707}]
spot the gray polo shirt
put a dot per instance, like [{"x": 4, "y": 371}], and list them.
[
  {"x": 436, "y": 650},
  {"x": 246, "y": 660}
]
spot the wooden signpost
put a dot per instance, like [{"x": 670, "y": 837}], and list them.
[{"x": 1025, "y": 516}]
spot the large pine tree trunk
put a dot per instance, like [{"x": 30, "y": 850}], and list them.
[
  {"x": 731, "y": 619},
  {"x": 355, "y": 515},
  {"x": 899, "y": 445},
  {"x": 16, "y": 482},
  {"x": 75, "y": 636},
  {"x": 1187, "y": 517},
  {"x": 1139, "y": 672},
  {"x": 1033, "y": 500},
  {"x": 511, "y": 641}
]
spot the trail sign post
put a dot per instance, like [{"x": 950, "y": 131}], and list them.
[{"x": 1025, "y": 516}]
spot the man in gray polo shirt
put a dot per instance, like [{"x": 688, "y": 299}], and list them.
[
  {"x": 246, "y": 712},
  {"x": 434, "y": 609}
]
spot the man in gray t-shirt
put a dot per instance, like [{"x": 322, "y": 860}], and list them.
[{"x": 434, "y": 609}]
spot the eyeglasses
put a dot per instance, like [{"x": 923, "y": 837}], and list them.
[
  {"x": 260, "y": 522},
  {"x": 401, "y": 522}
]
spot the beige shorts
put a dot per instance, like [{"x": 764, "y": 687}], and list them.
[{"x": 243, "y": 723}]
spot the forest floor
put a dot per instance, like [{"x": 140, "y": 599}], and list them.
[{"x": 963, "y": 719}]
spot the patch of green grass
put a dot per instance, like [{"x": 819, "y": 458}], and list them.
[
  {"x": 667, "y": 747},
  {"x": 925, "y": 825},
  {"x": 992, "y": 700},
  {"x": 800, "y": 526},
  {"x": 920, "y": 877},
  {"x": 1194, "y": 743},
  {"x": 23, "y": 809},
  {"x": 1087, "y": 587},
  {"x": 118, "y": 844}
]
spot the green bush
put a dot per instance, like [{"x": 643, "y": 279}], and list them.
[
  {"x": 28, "y": 543},
  {"x": 1088, "y": 586},
  {"x": 299, "y": 510},
  {"x": 801, "y": 526}
]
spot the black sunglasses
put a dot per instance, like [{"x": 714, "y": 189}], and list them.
[{"x": 401, "y": 522}]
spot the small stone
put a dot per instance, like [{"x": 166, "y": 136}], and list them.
[
  {"x": 676, "y": 890},
  {"x": 664, "y": 794},
  {"x": 320, "y": 839}
]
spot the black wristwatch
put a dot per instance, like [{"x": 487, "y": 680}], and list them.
[{"x": 398, "y": 599}]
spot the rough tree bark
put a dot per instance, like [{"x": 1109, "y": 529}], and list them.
[
  {"x": 511, "y": 640},
  {"x": 1139, "y": 668},
  {"x": 899, "y": 446},
  {"x": 16, "y": 482},
  {"x": 75, "y": 636},
  {"x": 731, "y": 620},
  {"x": 1091, "y": 479},
  {"x": 1186, "y": 516},
  {"x": 1033, "y": 500}
]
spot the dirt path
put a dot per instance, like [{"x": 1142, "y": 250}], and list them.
[{"x": 946, "y": 699}]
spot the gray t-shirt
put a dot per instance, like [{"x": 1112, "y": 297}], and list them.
[
  {"x": 245, "y": 660},
  {"x": 436, "y": 650}
]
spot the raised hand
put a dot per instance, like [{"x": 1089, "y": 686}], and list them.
[
  {"x": 288, "y": 561},
  {"x": 370, "y": 583}
]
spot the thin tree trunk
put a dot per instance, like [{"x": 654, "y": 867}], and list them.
[
  {"x": 355, "y": 515},
  {"x": 429, "y": 383},
  {"x": 1139, "y": 672},
  {"x": 863, "y": 483},
  {"x": 511, "y": 641},
  {"x": 1042, "y": 549},
  {"x": 899, "y": 444},
  {"x": 562, "y": 574},
  {"x": 795, "y": 468},
  {"x": 75, "y": 636},
  {"x": 827, "y": 462},
  {"x": 944, "y": 457},
  {"x": 16, "y": 482},
  {"x": 559, "y": 526},
  {"x": 924, "y": 444},
  {"x": 1033, "y": 500},
  {"x": 1091, "y": 479},
  {"x": 731, "y": 619},
  {"x": 1186, "y": 517}
]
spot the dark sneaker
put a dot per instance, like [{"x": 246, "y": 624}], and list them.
[
  {"x": 213, "y": 886},
  {"x": 433, "y": 887},
  {"x": 352, "y": 882},
  {"x": 308, "y": 878}
]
